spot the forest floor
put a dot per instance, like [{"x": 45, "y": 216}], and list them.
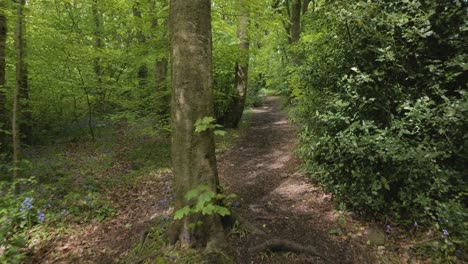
[
  {"x": 275, "y": 203},
  {"x": 278, "y": 202}
]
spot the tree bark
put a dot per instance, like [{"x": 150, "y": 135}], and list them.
[
  {"x": 305, "y": 6},
  {"x": 142, "y": 74},
  {"x": 3, "y": 108},
  {"x": 295, "y": 21},
  {"x": 97, "y": 47},
  {"x": 234, "y": 114},
  {"x": 19, "y": 88},
  {"x": 193, "y": 155},
  {"x": 161, "y": 64}
]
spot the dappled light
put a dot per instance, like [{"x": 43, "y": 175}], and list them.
[{"x": 233, "y": 131}]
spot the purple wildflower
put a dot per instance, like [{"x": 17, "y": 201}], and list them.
[
  {"x": 388, "y": 229},
  {"x": 26, "y": 205},
  {"x": 445, "y": 233},
  {"x": 41, "y": 217}
]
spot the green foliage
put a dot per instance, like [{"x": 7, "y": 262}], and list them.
[
  {"x": 206, "y": 202},
  {"x": 208, "y": 123},
  {"x": 18, "y": 213},
  {"x": 383, "y": 108}
]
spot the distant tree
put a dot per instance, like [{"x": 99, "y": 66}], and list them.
[
  {"x": 193, "y": 153},
  {"x": 234, "y": 114},
  {"x": 21, "y": 88},
  {"x": 3, "y": 109},
  {"x": 142, "y": 73}
]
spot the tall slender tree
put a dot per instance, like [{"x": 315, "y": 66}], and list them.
[
  {"x": 295, "y": 21},
  {"x": 193, "y": 155},
  {"x": 3, "y": 109},
  {"x": 234, "y": 114},
  {"x": 142, "y": 73},
  {"x": 21, "y": 85},
  {"x": 98, "y": 44},
  {"x": 161, "y": 63}
]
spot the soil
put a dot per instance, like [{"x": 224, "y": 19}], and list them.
[
  {"x": 275, "y": 201},
  {"x": 278, "y": 200}
]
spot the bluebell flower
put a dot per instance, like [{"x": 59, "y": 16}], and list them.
[
  {"x": 445, "y": 233},
  {"x": 26, "y": 205},
  {"x": 41, "y": 217},
  {"x": 388, "y": 229}
]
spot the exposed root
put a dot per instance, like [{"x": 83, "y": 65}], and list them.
[
  {"x": 276, "y": 245},
  {"x": 248, "y": 226}
]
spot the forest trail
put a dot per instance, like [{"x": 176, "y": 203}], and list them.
[
  {"x": 277, "y": 201},
  {"x": 274, "y": 201}
]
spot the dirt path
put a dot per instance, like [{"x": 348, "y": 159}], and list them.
[
  {"x": 274, "y": 201},
  {"x": 278, "y": 200}
]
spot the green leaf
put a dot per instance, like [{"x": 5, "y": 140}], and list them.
[
  {"x": 220, "y": 132},
  {"x": 222, "y": 211},
  {"x": 195, "y": 192},
  {"x": 181, "y": 213}
]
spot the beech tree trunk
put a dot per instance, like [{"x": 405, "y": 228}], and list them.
[
  {"x": 97, "y": 61},
  {"x": 161, "y": 75},
  {"x": 142, "y": 73},
  {"x": 295, "y": 21},
  {"x": 3, "y": 112},
  {"x": 193, "y": 154},
  {"x": 161, "y": 63},
  {"x": 19, "y": 88},
  {"x": 305, "y": 6},
  {"x": 234, "y": 114}
]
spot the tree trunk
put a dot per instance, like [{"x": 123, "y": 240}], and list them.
[
  {"x": 161, "y": 63},
  {"x": 234, "y": 114},
  {"x": 142, "y": 74},
  {"x": 193, "y": 156},
  {"x": 3, "y": 109},
  {"x": 161, "y": 68},
  {"x": 305, "y": 6},
  {"x": 295, "y": 21},
  {"x": 19, "y": 88},
  {"x": 97, "y": 61},
  {"x": 161, "y": 75}
]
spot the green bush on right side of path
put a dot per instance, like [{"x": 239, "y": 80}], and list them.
[{"x": 383, "y": 110}]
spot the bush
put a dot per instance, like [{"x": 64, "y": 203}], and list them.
[{"x": 383, "y": 108}]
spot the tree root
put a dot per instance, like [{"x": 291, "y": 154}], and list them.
[
  {"x": 248, "y": 226},
  {"x": 276, "y": 245}
]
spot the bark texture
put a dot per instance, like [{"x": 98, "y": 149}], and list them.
[
  {"x": 142, "y": 73},
  {"x": 21, "y": 85},
  {"x": 234, "y": 114},
  {"x": 98, "y": 44},
  {"x": 295, "y": 21},
  {"x": 161, "y": 65},
  {"x": 305, "y": 6},
  {"x": 3, "y": 112},
  {"x": 193, "y": 156}
]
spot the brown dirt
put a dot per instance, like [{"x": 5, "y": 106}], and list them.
[
  {"x": 273, "y": 196},
  {"x": 280, "y": 201},
  {"x": 137, "y": 207}
]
